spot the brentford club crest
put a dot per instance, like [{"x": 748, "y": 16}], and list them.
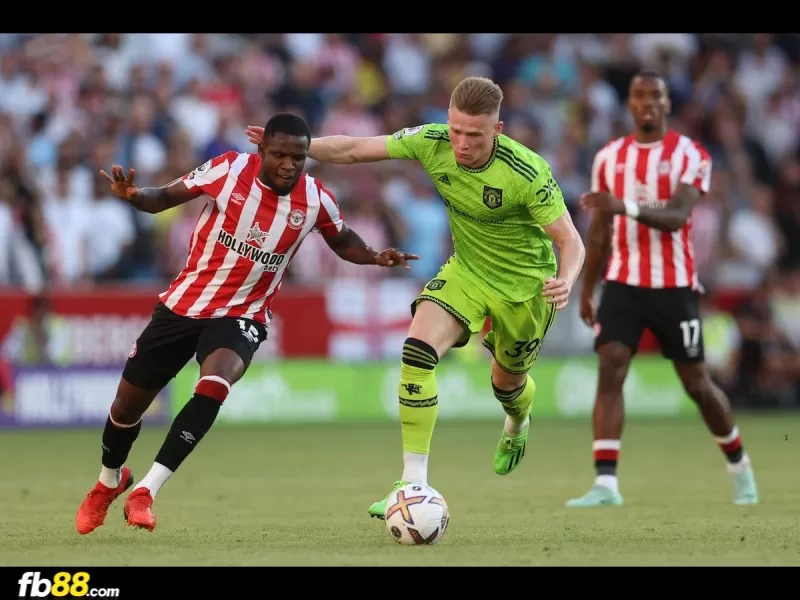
[{"x": 296, "y": 219}]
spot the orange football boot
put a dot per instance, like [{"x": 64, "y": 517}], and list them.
[
  {"x": 137, "y": 509},
  {"x": 94, "y": 508}
]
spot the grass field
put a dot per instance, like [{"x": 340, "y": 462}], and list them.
[{"x": 298, "y": 496}]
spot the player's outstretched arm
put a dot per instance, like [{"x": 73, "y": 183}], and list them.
[
  {"x": 337, "y": 149},
  {"x": 349, "y": 246},
  {"x": 149, "y": 200},
  {"x": 564, "y": 235},
  {"x": 346, "y": 150}
]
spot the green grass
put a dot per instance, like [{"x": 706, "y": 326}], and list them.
[{"x": 298, "y": 496}]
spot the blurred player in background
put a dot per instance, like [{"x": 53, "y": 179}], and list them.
[
  {"x": 644, "y": 187},
  {"x": 260, "y": 208},
  {"x": 505, "y": 210}
]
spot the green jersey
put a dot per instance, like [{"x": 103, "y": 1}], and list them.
[{"x": 497, "y": 212}]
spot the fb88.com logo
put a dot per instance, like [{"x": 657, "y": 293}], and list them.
[{"x": 64, "y": 584}]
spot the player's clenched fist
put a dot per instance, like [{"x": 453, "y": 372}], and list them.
[
  {"x": 122, "y": 187},
  {"x": 391, "y": 257}
]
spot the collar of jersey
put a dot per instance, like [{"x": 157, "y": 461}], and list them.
[
  {"x": 489, "y": 162},
  {"x": 655, "y": 144}
]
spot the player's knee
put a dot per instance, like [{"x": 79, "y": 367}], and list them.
[
  {"x": 224, "y": 363},
  {"x": 124, "y": 413},
  {"x": 130, "y": 403},
  {"x": 504, "y": 381},
  {"x": 614, "y": 360},
  {"x": 419, "y": 354},
  {"x": 436, "y": 327},
  {"x": 213, "y": 386}
]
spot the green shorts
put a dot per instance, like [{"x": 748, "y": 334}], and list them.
[{"x": 518, "y": 328}]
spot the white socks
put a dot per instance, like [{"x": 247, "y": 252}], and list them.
[
  {"x": 154, "y": 479},
  {"x": 110, "y": 477},
  {"x": 741, "y": 466},
  {"x": 415, "y": 467},
  {"x": 159, "y": 474},
  {"x": 607, "y": 481}
]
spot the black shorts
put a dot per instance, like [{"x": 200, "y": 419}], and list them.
[
  {"x": 170, "y": 340},
  {"x": 673, "y": 315}
]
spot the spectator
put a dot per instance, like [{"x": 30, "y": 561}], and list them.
[{"x": 164, "y": 103}]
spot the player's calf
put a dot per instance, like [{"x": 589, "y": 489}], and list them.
[
  {"x": 189, "y": 427},
  {"x": 122, "y": 428},
  {"x": 123, "y": 424},
  {"x": 614, "y": 360},
  {"x": 717, "y": 414},
  {"x": 419, "y": 406},
  {"x": 608, "y": 418},
  {"x": 515, "y": 393}
]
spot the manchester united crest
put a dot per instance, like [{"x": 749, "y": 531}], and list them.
[{"x": 492, "y": 197}]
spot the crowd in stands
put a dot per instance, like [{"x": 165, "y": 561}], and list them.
[{"x": 73, "y": 104}]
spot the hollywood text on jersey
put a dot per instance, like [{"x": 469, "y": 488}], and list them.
[{"x": 271, "y": 260}]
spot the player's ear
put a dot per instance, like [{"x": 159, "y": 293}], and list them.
[
  {"x": 261, "y": 148},
  {"x": 498, "y": 128}
]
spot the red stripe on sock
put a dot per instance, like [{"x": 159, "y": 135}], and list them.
[
  {"x": 606, "y": 455},
  {"x": 212, "y": 389},
  {"x": 731, "y": 446}
]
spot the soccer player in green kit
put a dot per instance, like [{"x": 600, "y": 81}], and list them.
[{"x": 505, "y": 211}]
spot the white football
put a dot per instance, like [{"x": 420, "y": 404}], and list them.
[{"x": 416, "y": 514}]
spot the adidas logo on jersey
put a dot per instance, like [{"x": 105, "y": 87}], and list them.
[{"x": 444, "y": 179}]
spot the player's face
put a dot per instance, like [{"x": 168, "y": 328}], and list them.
[
  {"x": 648, "y": 103},
  {"x": 283, "y": 158},
  {"x": 472, "y": 137}
]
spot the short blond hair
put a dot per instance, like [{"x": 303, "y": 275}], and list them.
[{"x": 477, "y": 96}]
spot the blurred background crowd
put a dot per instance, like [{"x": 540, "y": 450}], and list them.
[{"x": 164, "y": 103}]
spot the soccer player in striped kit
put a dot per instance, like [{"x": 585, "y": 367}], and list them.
[
  {"x": 643, "y": 189},
  {"x": 259, "y": 208}
]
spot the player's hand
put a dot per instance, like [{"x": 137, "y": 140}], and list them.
[
  {"x": 254, "y": 133},
  {"x": 557, "y": 292},
  {"x": 122, "y": 187},
  {"x": 392, "y": 257},
  {"x": 602, "y": 202},
  {"x": 588, "y": 311}
]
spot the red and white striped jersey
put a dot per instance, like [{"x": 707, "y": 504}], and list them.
[
  {"x": 650, "y": 173},
  {"x": 245, "y": 238}
]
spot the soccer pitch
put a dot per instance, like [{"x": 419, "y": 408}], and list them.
[{"x": 299, "y": 496}]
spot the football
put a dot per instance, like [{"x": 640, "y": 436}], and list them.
[{"x": 416, "y": 514}]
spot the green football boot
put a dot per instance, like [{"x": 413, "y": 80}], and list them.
[
  {"x": 510, "y": 450},
  {"x": 378, "y": 509}
]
